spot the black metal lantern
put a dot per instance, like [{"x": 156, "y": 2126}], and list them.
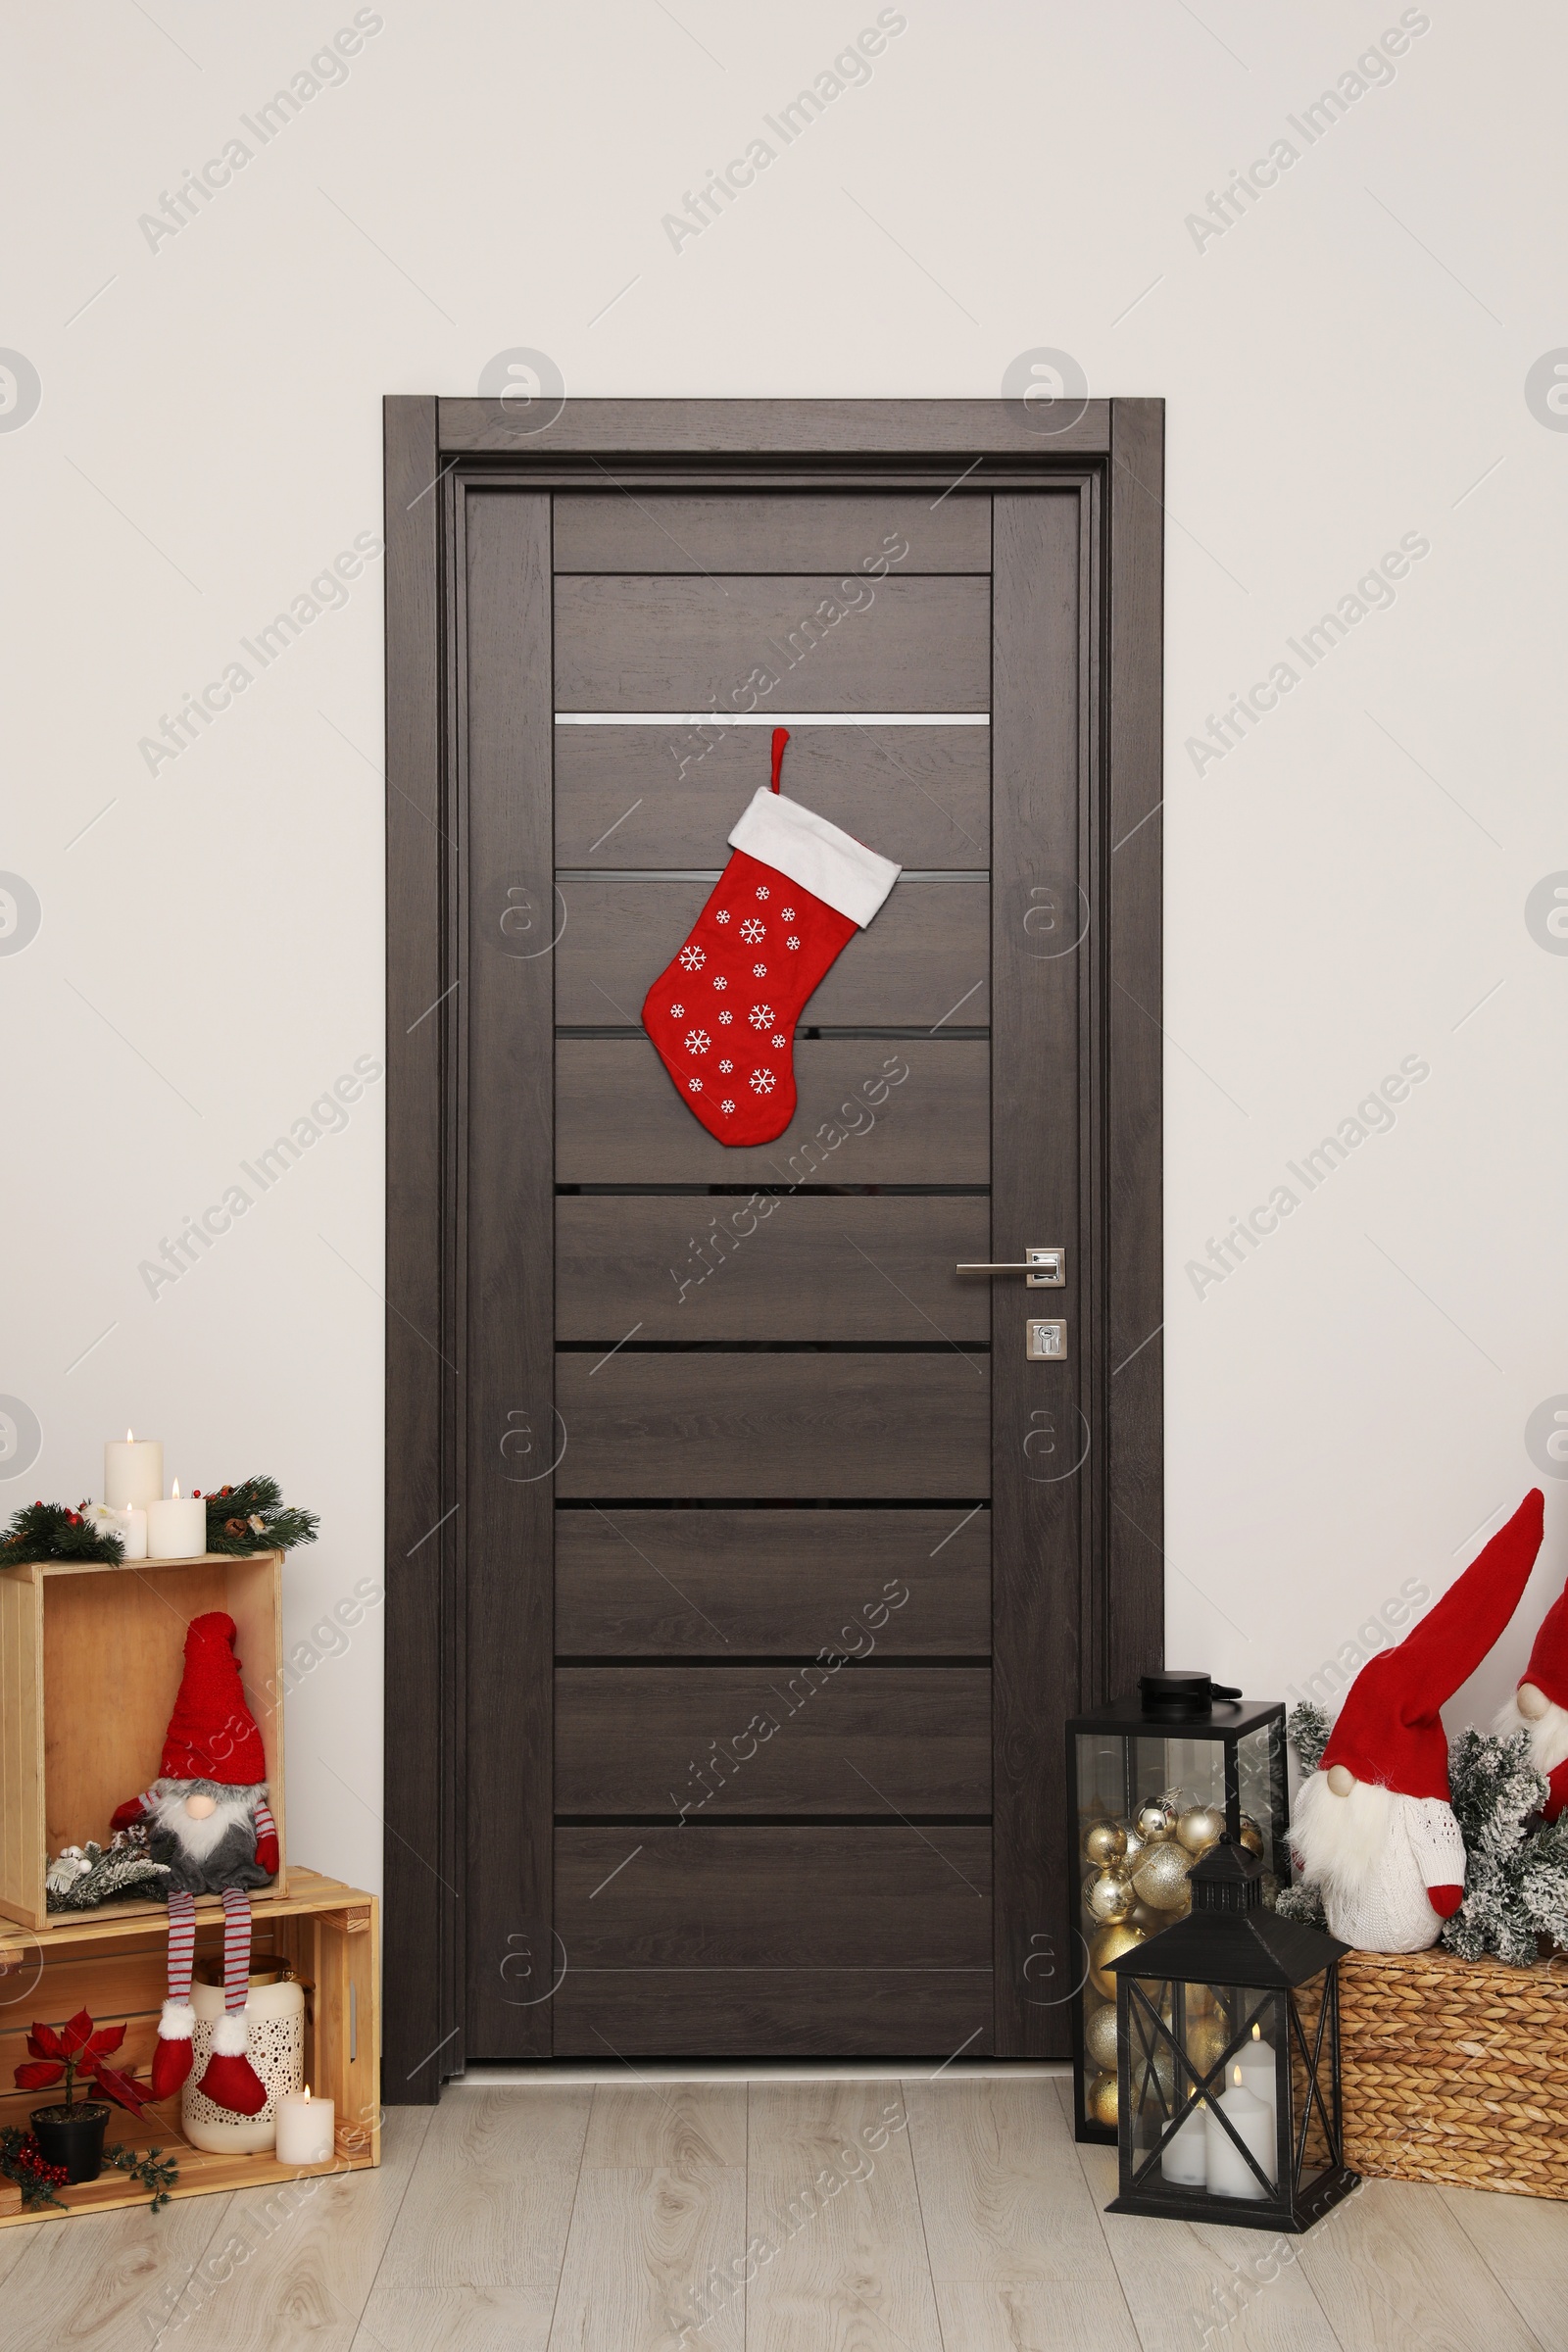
[
  {"x": 1153, "y": 1781},
  {"x": 1228, "y": 2026}
]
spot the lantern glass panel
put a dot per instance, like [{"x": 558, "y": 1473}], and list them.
[
  {"x": 1209, "y": 1775},
  {"x": 1186, "y": 2043}
]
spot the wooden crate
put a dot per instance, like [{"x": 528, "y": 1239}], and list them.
[
  {"x": 1456, "y": 2071},
  {"x": 73, "y": 1633},
  {"x": 113, "y": 1966}
]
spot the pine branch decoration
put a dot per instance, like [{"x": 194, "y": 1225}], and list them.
[
  {"x": 1308, "y": 1730},
  {"x": 50, "y": 1530},
  {"x": 254, "y": 1517},
  {"x": 1516, "y": 1881}
]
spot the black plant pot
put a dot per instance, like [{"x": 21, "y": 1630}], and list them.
[{"x": 73, "y": 2137}]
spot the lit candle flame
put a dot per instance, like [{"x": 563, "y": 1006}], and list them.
[
  {"x": 1258, "y": 2033},
  {"x": 129, "y": 1439},
  {"x": 176, "y": 1490},
  {"x": 1236, "y": 2078},
  {"x": 307, "y": 2094}
]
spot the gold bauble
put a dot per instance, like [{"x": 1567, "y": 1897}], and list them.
[
  {"x": 1109, "y": 1894},
  {"x": 1207, "y": 2037},
  {"x": 1100, "y": 2100},
  {"x": 1201, "y": 1828},
  {"x": 1164, "y": 2071},
  {"x": 1108, "y": 1946},
  {"x": 1269, "y": 1888},
  {"x": 1104, "y": 1841},
  {"x": 1160, "y": 1877},
  {"x": 1135, "y": 1844},
  {"x": 1143, "y": 1915},
  {"x": 1099, "y": 2037},
  {"x": 1156, "y": 1820},
  {"x": 1252, "y": 1836}
]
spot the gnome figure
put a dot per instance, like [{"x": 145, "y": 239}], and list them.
[
  {"x": 1373, "y": 1828},
  {"x": 207, "y": 1817},
  {"x": 1540, "y": 1705}
]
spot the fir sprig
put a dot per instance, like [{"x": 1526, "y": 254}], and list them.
[
  {"x": 254, "y": 1517},
  {"x": 1308, "y": 1730},
  {"x": 159, "y": 2177},
  {"x": 1516, "y": 1882},
  {"x": 51, "y": 1530}
]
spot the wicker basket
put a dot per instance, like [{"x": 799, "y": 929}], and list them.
[{"x": 1456, "y": 2071}]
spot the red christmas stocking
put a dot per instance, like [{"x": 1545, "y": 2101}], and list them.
[{"x": 723, "y": 1015}]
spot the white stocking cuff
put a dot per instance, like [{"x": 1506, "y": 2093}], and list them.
[
  {"x": 228, "y": 2034},
  {"x": 819, "y": 857},
  {"x": 176, "y": 2021}
]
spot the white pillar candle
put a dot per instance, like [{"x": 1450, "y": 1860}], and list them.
[
  {"x": 1228, "y": 2173},
  {"x": 1255, "y": 2062},
  {"x": 1186, "y": 2160},
  {"x": 133, "y": 1471},
  {"x": 304, "y": 2128},
  {"x": 129, "y": 1524},
  {"x": 177, "y": 1530}
]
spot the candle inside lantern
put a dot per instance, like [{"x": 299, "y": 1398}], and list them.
[
  {"x": 1227, "y": 2171},
  {"x": 133, "y": 1471},
  {"x": 1186, "y": 2160},
  {"x": 1254, "y": 2063},
  {"x": 177, "y": 1530},
  {"x": 304, "y": 2128}
]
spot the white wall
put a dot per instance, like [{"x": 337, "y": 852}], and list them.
[{"x": 1345, "y": 365}]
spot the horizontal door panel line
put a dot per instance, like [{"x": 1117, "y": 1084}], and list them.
[
  {"x": 787, "y": 1502},
  {"x": 777, "y": 1192},
  {"x": 773, "y": 718},
  {"x": 770, "y": 1820},
  {"x": 726, "y": 1970},
  {"x": 775, "y": 1346},
  {"x": 677, "y": 1661},
  {"x": 972, "y": 874},
  {"x": 945, "y": 1033}
]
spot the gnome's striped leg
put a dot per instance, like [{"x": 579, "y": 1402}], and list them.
[
  {"x": 230, "y": 2080},
  {"x": 172, "y": 2054}
]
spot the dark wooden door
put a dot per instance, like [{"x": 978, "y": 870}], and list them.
[
  {"x": 800, "y": 1484},
  {"x": 746, "y": 1565}
]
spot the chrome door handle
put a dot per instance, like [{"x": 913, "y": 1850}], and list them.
[{"x": 1041, "y": 1269}]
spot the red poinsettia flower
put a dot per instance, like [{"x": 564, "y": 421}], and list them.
[
  {"x": 44, "y": 2043},
  {"x": 39, "y": 2075},
  {"x": 124, "y": 2089}
]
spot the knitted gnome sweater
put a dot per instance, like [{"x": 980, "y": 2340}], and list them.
[
  {"x": 205, "y": 1856},
  {"x": 1373, "y": 1865}
]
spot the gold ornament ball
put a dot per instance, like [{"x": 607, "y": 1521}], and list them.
[
  {"x": 1099, "y": 2037},
  {"x": 1156, "y": 1820},
  {"x": 1201, "y": 1828},
  {"x": 1100, "y": 2100},
  {"x": 1160, "y": 1877},
  {"x": 1207, "y": 2037},
  {"x": 1143, "y": 1915},
  {"x": 1109, "y": 1894},
  {"x": 1104, "y": 1841},
  {"x": 1252, "y": 1836},
  {"x": 1108, "y": 1946},
  {"x": 1164, "y": 2071}
]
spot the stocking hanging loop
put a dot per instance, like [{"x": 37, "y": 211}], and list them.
[{"x": 781, "y": 736}]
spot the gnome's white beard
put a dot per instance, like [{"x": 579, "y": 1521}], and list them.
[
  {"x": 200, "y": 1838},
  {"x": 1373, "y": 1855},
  {"x": 1549, "y": 1738}
]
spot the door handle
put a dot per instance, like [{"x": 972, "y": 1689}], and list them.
[{"x": 1041, "y": 1269}]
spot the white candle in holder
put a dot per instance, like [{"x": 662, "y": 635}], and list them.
[
  {"x": 133, "y": 1471},
  {"x": 1186, "y": 2159},
  {"x": 304, "y": 2128},
  {"x": 1255, "y": 2062},
  {"x": 1229, "y": 2175},
  {"x": 177, "y": 1530},
  {"x": 128, "y": 1524}
]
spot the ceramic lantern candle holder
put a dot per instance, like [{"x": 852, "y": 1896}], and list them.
[{"x": 1152, "y": 1782}]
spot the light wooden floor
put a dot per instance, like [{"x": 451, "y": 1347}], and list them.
[{"x": 953, "y": 2215}]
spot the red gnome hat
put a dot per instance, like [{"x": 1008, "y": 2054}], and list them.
[
  {"x": 1549, "y": 1660},
  {"x": 1389, "y": 1730},
  {"x": 212, "y": 1732}
]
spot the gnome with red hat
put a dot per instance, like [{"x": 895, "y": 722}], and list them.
[
  {"x": 1540, "y": 1705},
  {"x": 1373, "y": 1828},
  {"x": 207, "y": 1819}
]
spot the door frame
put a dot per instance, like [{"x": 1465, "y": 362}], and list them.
[{"x": 1114, "y": 448}]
